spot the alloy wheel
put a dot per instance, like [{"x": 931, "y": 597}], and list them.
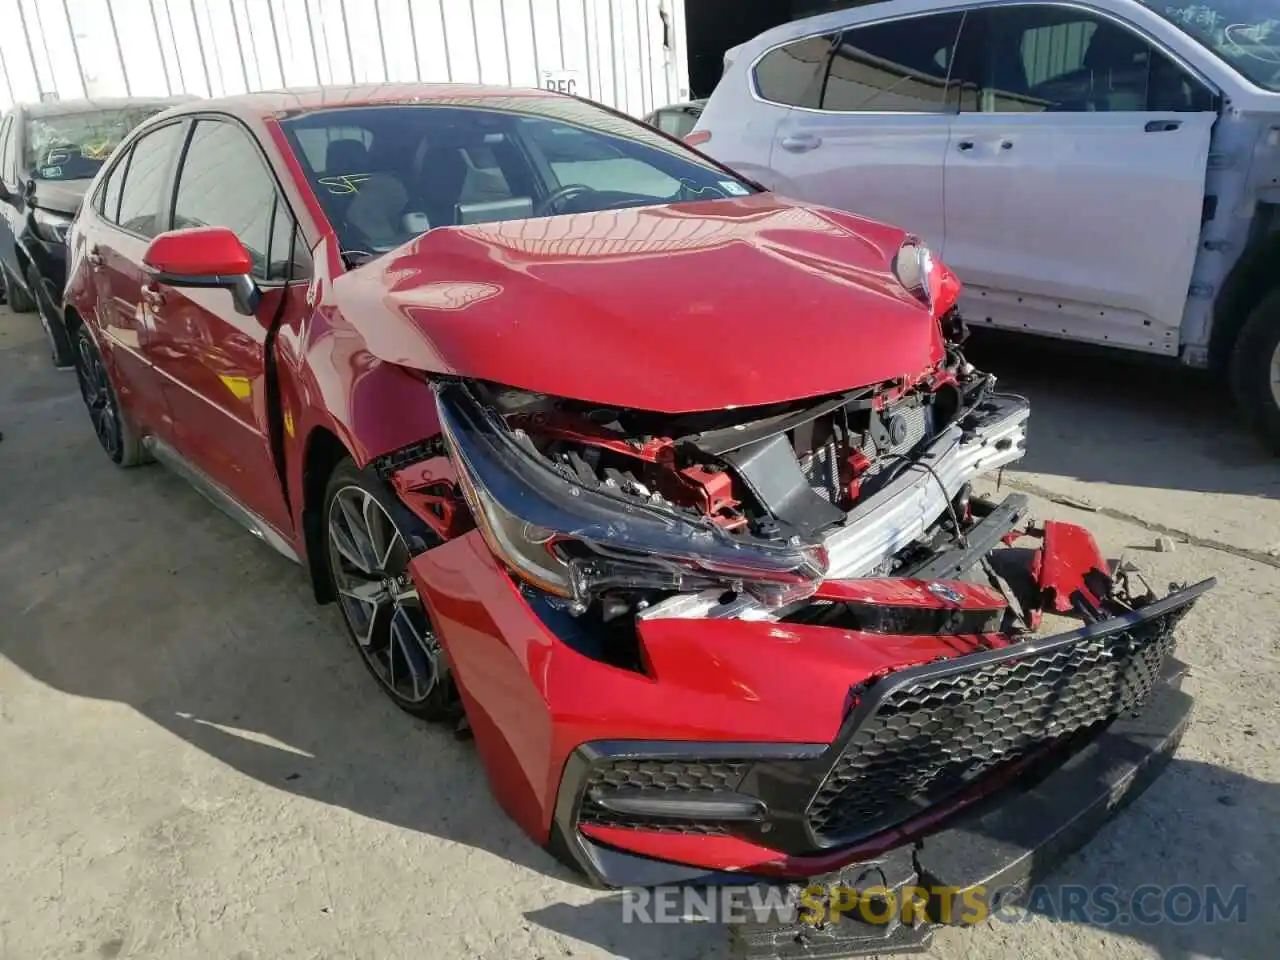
[
  {"x": 95, "y": 388},
  {"x": 370, "y": 564}
]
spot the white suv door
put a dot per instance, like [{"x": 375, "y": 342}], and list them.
[
  {"x": 1075, "y": 176},
  {"x": 871, "y": 134}
]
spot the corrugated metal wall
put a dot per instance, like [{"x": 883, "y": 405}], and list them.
[{"x": 630, "y": 54}]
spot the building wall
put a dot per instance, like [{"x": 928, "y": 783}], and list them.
[{"x": 630, "y": 54}]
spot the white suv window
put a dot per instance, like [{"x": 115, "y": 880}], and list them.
[
  {"x": 792, "y": 75},
  {"x": 1048, "y": 58},
  {"x": 898, "y": 66}
]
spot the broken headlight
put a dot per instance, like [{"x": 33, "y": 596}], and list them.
[
  {"x": 926, "y": 277},
  {"x": 579, "y": 543}
]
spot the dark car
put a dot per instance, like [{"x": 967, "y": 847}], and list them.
[
  {"x": 49, "y": 152},
  {"x": 677, "y": 119},
  {"x": 659, "y": 481}
]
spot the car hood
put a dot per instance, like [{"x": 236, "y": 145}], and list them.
[
  {"x": 676, "y": 308},
  {"x": 61, "y": 196}
]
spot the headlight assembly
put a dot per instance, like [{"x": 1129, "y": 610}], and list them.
[
  {"x": 579, "y": 543},
  {"x": 51, "y": 226}
]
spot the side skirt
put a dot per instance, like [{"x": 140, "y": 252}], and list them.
[{"x": 216, "y": 494}]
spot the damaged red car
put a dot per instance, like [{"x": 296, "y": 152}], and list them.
[{"x": 660, "y": 482}]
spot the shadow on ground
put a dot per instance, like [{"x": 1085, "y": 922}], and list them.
[{"x": 1103, "y": 416}]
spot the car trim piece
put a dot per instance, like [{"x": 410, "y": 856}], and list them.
[
  {"x": 899, "y": 513},
  {"x": 967, "y": 8},
  {"x": 214, "y": 492}
]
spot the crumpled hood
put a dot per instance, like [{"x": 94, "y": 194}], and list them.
[{"x": 695, "y": 306}]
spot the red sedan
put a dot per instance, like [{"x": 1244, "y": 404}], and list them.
[{"x": 660, "y": 482}]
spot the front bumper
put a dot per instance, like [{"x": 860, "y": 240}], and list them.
[
  {"x": 921, "y": 744},
  {"x": 993, "y": 854}
]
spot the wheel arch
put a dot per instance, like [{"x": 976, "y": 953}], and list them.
[
  {"x": 322, "y": 453},
  {"x": 1250, "y": 280}
]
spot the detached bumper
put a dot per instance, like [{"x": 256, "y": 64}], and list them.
[
  {"x": 997, "y": 851},
  {"x": 916, "y": 747}
]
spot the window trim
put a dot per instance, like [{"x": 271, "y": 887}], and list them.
[
  {"x": 964, "y": 8},
  {"x": 171, "y": 199}
]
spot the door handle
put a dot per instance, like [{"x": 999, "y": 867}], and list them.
[
  {"x": 964, "y": 145},
  {"x": 94, "y": 257},
  {"x": 801, "y": 142},
  {"x": 1162, "y": 126},
  {"x": 152, "y": 296},
  {"x": 1006, "y": 144}
]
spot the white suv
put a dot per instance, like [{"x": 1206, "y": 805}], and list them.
[{"x": 1100, "y": 170}]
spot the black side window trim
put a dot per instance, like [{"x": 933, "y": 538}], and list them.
[{"x": 281, "y": 200}]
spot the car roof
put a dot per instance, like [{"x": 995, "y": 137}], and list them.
[{"x": 279, "y": 103}]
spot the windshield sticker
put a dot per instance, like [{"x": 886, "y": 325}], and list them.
[
  {"x": 733, "y": 189},
  {"x": 50, "y": 173},
  {"x": 344, "y": 183}
]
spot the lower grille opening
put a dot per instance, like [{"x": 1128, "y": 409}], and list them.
[
  {"x": 934, "y": 730},
  {"x": 677, "y": 778}
]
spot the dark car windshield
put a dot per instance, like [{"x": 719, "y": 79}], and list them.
[
  {"x": 385, "y": 174},
  {"x": 72, "y": 146},
  {"x": 1245, "y": 33}
]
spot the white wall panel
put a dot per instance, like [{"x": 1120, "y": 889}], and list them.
[{"x": 613, "y": 49}]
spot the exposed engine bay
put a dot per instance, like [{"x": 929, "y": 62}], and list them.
[{"x": 615, "y": 512}]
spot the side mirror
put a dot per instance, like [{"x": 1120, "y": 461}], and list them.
[
  {"x": 211, "y": 257},
  {"x": 29, "y": 189}
]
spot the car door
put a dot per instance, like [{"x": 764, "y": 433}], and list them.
[
  {"x": 213, "y": 359},
  {"x": 1075, "y": 179},
  {"x": 872, "y": 137},
  {"x": 115, "y": 248}
]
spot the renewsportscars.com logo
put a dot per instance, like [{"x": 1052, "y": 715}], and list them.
[{"x": 1102, "y": 906}]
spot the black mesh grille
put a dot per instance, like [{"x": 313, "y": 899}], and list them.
[
  {"x": 677, "y": 776},
  {"x": 928, "y": 738}
]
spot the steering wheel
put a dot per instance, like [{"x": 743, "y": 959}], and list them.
[{"x": 570, "y": 190}]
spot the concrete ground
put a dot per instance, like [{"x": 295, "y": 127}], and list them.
[{"x": 193, "y": 764}]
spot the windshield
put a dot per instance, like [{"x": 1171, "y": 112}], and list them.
[
  {"x": 1245, "y": 33},
  {"x": 72, "y": 146},
  {"x": 385, "y": 174}
]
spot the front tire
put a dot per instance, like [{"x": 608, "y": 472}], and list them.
[
  {"x": 116, "y": 437},
  {"x": 60, "y": 351},
  {"x": 19, "y": 300},
  {"x": 367, "y": 557},
  {"x": 1255, "y": 370}
]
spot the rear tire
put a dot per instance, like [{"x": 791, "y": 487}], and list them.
[
  {"x": 117, "y": 439},
  {"x": 19, "y": 300},
  {"x": 60, "y": 351},
  {"x": 1255, "y": 370}
]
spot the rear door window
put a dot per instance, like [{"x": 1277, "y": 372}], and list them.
[
  {"x": 142, "y": 195},
  {"x": 109, "y": 193},
  {"x": 896, "y": 67}
]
